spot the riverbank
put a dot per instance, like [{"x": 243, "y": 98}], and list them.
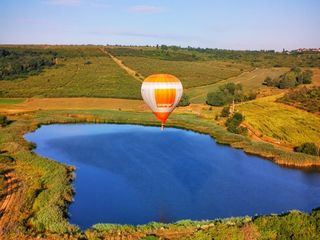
[{"x": 46, "y": 184}]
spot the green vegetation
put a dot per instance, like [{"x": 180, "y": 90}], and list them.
[
  {"x": 251, "y": 82},
  {"x": 184, "y": 101},
  {"x": 254, "y": 58},
  {"x": 292, "y": 225},
  {"x": 191, "y": 73},
  {"x": 228, "y": 93},
  {"x": 225, "y": 112},
  {"x": 4, "y": 120},
  {"x": 10, "y": 101},
  {"x": 305, "y": 98},
  {"x": 21, "y": 62},
  {"x": 308, "y": 148},
  {"x": 280, "y": 121},
  {"x": 101, "y": 78},
  {"x": 233, "y": 124},
  {"x": 290, "y": 79}
]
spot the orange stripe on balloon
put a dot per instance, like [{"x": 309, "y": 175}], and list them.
[
  {"x": 161, "y": 78},
  {"x": 162, "y": 116},
  {"x": 165, "y": 97}
]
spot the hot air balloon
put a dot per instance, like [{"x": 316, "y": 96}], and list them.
[{"x": 162, "y": 93}]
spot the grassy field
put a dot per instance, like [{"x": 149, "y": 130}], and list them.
[
  {"x": 83, "y": 72},
  {"x": 191, "y": 73},
  {"x": 250, "y": 80},
  {"x": 11, "y": 101},
  {"x": 280, "y": 121}
]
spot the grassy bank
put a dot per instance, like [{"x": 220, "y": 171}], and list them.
[{"x": 45, "y": 184}]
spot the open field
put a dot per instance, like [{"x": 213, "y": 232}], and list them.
[
  {"x": 32, "y": 104},
  {"x": 191, "y": 73},
  {"x": 251, "y": 80},
  {"x": 92, "y": 73},
  {"x": 282, "y": 122}
]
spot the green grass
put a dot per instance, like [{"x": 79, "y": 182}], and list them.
[
  {"x": 251, "y": 81},
  {"x": 101, "y": 78},
  {"x": 191, "y": 73},
  {"x": 282, "y": 122},
  {"x": 11, "y": 101}
]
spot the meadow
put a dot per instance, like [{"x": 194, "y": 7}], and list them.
[
  {"x": 80, "y": 72},
  {"x": 280, "y": 121},
  {"x": 191, "y": 73},
  {"x": 251, "y": 81}
]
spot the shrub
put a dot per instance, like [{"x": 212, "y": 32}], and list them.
[
  {"x": 184, "y": 101},
  {"x": 225, "y": 112},
  {"x": 308, "y": 148},
  {"x": 233, "y": 124},
  {"x": 4, "y": 120}
]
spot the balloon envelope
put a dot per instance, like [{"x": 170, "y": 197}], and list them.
[{"x": 162, "y": 93}]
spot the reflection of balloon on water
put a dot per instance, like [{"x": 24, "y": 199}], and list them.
[{"x": 162, "y": 93}]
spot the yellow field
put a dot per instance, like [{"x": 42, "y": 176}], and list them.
[{"x": 280, "y": 121}]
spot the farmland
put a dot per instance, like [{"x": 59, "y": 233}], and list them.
[
  {"x": 280, "y": 121},
  {"x": 191, "y": 73},
  {"x": 80, "y": 72}
]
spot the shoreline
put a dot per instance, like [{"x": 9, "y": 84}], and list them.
[{"x": 59, "y": 176}]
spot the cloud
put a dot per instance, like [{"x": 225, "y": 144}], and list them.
[
  {"x": 63, "y": 2},
  {"x": 145, "y": 9}
]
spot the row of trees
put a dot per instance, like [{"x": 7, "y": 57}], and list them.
[
  {"x": 290, "y": 79},
  {"x": 228, "y": 93},
  {"x": 17, "y": 63}
]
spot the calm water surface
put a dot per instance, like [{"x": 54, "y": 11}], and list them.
[{"x": 134, "y": 175}]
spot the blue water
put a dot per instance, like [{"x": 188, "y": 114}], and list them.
[{"x": 134, "y": 174}]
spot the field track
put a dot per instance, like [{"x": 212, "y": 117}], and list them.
[
  {"x": 8, "y": 204},
  {"x": 33, "y": 104},
  {"x": 130, "y": 71}
]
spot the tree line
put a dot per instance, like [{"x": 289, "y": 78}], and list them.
[
  {"x": 15, "y": 63},
  {"x": 290, "y": 79}
]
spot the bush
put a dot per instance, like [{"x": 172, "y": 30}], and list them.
[
  {"x": 308, "y": 148},
  {"x": 233, "y": 124},
  {"x": 184, "y": 101},
  {"x": 227, "y": 93},
  {"x": 290, "y": 79},
  {"x": 4, "y": 120},
  {"x": 225, "y": 112}
]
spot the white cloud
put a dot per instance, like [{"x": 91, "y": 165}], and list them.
[{"x": 145, "y": 9}]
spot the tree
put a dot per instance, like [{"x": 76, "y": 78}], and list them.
[
  {"x": 307, "y": 77},
  {"x": 184, "y": 101},
  {"x": 308, "y": 148},
  {"x": 3, "y": 120},
  {"x": 225, "y": 111},
  {"x": 233, "y": 124}
]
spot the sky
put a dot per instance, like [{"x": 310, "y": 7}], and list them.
[{"x": 226, "y": 24}]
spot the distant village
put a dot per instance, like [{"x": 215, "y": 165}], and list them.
[{"x": 303, "y": 50}]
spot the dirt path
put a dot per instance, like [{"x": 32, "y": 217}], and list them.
[
  {"x": 8, "y": 206},
  {"x": 256, "y": 135},
  {"x": 130, "y": 71},
  {"x": 33, "y": 104}
]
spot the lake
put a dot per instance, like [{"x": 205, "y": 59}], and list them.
[{"x": 132, "y": 174}]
